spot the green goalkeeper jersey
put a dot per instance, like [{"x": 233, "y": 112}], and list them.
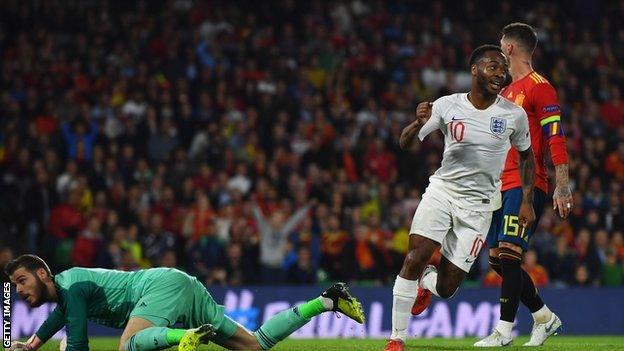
[{"x": 102, "y": 296}]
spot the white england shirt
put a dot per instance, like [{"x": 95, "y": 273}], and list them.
[{"x": 476, "y": 143}]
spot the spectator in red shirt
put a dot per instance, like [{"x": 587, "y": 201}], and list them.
[
  {"x": 65, "y": 219},
  {"x": 535, "y": 270},
  {"x": 617, "y": 243},
  {"x": 587, "y": 254},
  {"x": 204, "y": 179},
  {"x": 347, "y": 161},
  {"x": 169, "y": 210},
  {"x": 615, "y": 162},
  {"x": 333, "y": 241},
  {"x": 612, "y": 110},
  {"x": 492, "y": 279},
  {"x": 380, "y": 162},
  {"x": 199, "y": 219},
  {"x": 87, "y": 245}
]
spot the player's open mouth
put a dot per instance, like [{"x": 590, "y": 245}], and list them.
[{"x": 496, "y": 84}]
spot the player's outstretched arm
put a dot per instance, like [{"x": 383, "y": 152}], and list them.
[
  {"x": 32, "y": 344},
  {"x": 52, "y": 324},
  {"x": 527, "y": 178},
  {"x": 423, "y": 113}
]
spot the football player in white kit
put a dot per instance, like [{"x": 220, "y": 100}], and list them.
[{"x": 455, "y": 213}]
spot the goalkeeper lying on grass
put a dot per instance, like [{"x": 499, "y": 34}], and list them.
[{"x": 147, "y": 303}]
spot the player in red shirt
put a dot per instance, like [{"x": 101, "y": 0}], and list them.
[{"x": 507, "y": 239}]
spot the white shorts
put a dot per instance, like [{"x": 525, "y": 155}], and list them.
[{"x": 461, "y": 232}]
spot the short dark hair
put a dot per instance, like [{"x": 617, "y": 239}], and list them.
[
  {"x": 523, "y": 34},
  {"x": 30, "y": 262},
  {"x": 478, "y": 53}
]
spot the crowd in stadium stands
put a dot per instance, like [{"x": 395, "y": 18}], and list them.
[{"x": 257, "y": 143}]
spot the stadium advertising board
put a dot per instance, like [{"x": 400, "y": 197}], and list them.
[{"x": 472, "y": 312}]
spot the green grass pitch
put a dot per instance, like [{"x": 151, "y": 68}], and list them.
[{"x": 556, "y": 343}]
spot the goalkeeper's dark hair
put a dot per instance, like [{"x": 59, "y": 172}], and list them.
[
  {"x": 479, "y": 52},
  {"x": 31, "y": 263},
  {"x": 523, "y": 34}
]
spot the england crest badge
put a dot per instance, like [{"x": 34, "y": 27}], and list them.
[{"x": 498, "y": 125}]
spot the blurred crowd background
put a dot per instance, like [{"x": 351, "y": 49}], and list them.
[{"x": 257, "y": 142}]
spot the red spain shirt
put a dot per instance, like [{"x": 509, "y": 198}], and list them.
[{"x": 539, "y": 99}]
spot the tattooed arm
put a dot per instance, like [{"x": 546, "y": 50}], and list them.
[
  {"x": 562, "y": 197},
  {"x": 527, "y": 177}
]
